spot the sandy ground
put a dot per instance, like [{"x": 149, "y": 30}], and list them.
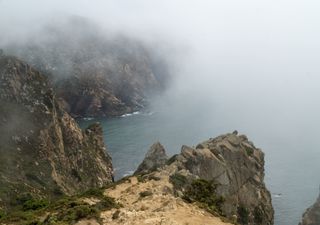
[{"x": 162, "y": 207}]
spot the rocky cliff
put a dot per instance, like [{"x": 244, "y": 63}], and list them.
[
  {"x": 93, "y": 73},
  {"x": 312, "y": 215},
  {"x": 236, "y": 169},
  {"x": 220, "y": 182},
  {"x": 42, "y": 149}
]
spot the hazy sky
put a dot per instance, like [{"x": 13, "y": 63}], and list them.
[{"x": 234, "y": 55}]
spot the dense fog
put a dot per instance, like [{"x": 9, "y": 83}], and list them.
[
  {"x": 256, "y": 61},
  {"x": 247, "y": 65}
]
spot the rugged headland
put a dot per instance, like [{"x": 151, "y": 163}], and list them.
[
  {"x": 312, "y": 215},
  {"x": 94, "y": 74},
  {"x": 52, "y": 172}
]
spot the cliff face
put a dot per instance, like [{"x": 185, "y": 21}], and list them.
[
  {"x": 312, "y": 215},
  {"x": 42, "y": 149},
  {"x": 236, "y": 167},
  {"x": 94, "y": 74}
]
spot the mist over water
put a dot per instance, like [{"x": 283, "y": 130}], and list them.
[{"x": 246, "y": 65}]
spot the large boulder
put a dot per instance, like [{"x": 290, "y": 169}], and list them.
[
  {"x": 155, "y": 158},
  {"x": 42, "y": 149},
  {"x": 236, "y": 166}
]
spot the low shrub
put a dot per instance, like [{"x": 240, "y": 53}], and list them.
[
  {"x": 145, "y": 194},
  {"x": 94, "y": 192},
  {"x": 243, "y": 215},
  {"x": 204, "y": 192},
  {"x": 35, "y": 204},
  {"x": 107, "y": 203}
]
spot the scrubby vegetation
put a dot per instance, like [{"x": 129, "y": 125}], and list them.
[
  {"x": 204, "y": 192},
  {"x": 258, "y": 216},
  {"x": 145, "y": 194},
  {"x": 66, "y": 210},
  {"x": 249, "y": 151},
  {"x": 200, "y": 191},
  {"x": 243, "y": 215},
  {"x": 93, "y": 192}
]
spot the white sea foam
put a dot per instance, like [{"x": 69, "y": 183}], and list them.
[
  {"x": 128, "y": 173},
  {"x": 88, "y": 118},
  {"x": 130, "y": 114},
  {"x": 277, "y": 195}
]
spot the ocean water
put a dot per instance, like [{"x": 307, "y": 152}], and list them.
[{"x": 292, "y": 160}]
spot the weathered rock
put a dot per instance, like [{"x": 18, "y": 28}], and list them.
[
  {"x": 312, "y": 215},
  {"x": 155, "y": 158},
  {"x": 42, "y": 149},
  {"x": 237, "y": 166}
]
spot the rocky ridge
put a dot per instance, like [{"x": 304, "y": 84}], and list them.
[
  {"x": 42, "y": 149},
  {"x": 227, "y": 172}
]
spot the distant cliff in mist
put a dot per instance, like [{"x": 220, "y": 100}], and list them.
[{"x": 93, "y": 72}]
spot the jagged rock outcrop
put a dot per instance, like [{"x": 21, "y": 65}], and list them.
[
  {"x": 312, "y": 215},
  {"x": 42, "y": 149},
  {"x": 236, "y": 166},
  {"x": 155, "y": 158},
  {"x": 94, "y": 74}
]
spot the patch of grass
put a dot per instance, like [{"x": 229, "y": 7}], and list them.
[
  {"x": 35, "y": 204},
  {"x": 204, "y": 192},
  {"x": 74, "y": 214},
  {"x": 19, "y": 217},
  {"x": 2, "y": 213},
  {"x": 66, "y": 210},
  {"x": 107, "y": 203},
  {"x": 145, "y": 194},
  {"x": 141, "y": 178},
  {"x": 243, "y": 215},
  {"x": 27, "y": 201},
  {"x": 93, "y": 192},
  {"x": 249, "y": 151}
]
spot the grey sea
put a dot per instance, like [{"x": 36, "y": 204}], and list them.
[{"x": 292, "y": 161}]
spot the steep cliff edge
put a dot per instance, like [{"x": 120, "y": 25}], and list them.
[
  {"x": 232, "y": 169},
  {"x": 312, "y": 215},
  {"x": 220, "y": 182},
  {"x": 42, "y": 149}
]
